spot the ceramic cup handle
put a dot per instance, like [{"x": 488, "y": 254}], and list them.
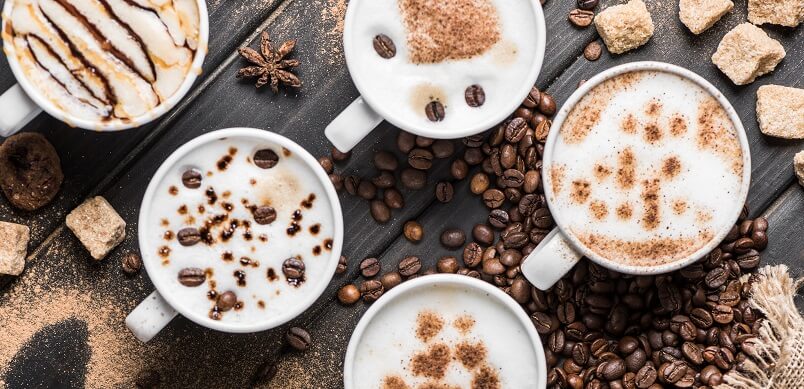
[
  {"x": 550, "y": 260},
  {"x": 352, "y": 125},
  {"x": 18, "y": 109},
  {"x": 148, "y": 318}
]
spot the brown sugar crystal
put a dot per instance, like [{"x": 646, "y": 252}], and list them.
[{"x": 449, "y": 29}]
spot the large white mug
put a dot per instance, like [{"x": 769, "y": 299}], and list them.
[
  {"x": 158, "y": 309},
  {"x": 379, "y": 80},
  {"x": 24, "y": 101},
  {"x": 561, "y": 248}
]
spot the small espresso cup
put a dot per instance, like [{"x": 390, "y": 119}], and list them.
[
  {"x": 263, "y": 265},
  {"x": 485, "y": 329},
  {"x": 24, "y": 101},
  {"x": 561, "y": 248},
  {"x": 397, "y": 90}
]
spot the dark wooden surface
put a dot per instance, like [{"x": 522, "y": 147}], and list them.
[{"x": 119, "y": 165}]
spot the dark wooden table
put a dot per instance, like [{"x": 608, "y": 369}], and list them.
[{"x": 119, "y": 165}]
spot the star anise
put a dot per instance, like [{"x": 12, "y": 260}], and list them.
[{"x": 269, "y": 65}]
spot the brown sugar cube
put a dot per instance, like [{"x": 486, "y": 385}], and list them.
[
  {"x": 788, "y": 13},
  {"x": 798, "y": 165},
  {"x": 13, "y": 248},
  {"x": 746, "y": 52},
  {"x": 98, "y": 226},
  {"x": 780, "y": 111},
  {"x": 699, "y": 15},
  {"x": 625, "y": 27}
]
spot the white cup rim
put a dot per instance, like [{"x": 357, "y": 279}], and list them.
[
  {"x": 562, "y": 114},
  {"x": 444, "y": 279},
  {"x": 148, "y": 252},
  {"x": 116, "y": 125},
  {"x": 441, "y": 133}
]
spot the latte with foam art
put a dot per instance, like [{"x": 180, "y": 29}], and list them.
[{"x": 104, "y": 60}]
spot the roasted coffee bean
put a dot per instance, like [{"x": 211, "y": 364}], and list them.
[
  {"x": 587, "y": 4},
  {"x": 716, "y": 277},
  {"x": 351, "y": 183},
  {"x": 743, "y": 245},
  {"x": 566, "y": 312},
  {"x": 556, "y": 342},
  {"x": 701, "y": 318},
  {"x": 580, "y": 18},
  {"x": 692, "y": 352},
  {"x": 409, "y": 266},
  {"x": 473, "y": 156},
  {"x": 226, "y": 301},
  {"x": 434, "y": 111},
  {"x": 188, "y": 236},
  {"x": 479, "y": 183},
  {"x": 547, "y": 105},
  {"x": 264, "y": 215},
  {"x": 520, "y": 290},
  {"x": 370, "y": 267},
  {"x": 293, "y": 268},
  {"x": 499, "y": 219},
  {"x": 533, "y": 98},
  {"x": 298, "y": 338},
  {"x": 635, "y": 360},
  {"x": 542, "y": 218},
  {"x": 459, "y": 169},
  {"x": 515, "y": 130},
  {"x": 339, "y": 156},
  {"x": 453, "y": 238},
  {"x": 524, "y": 113},
  {"x": 444, "y": 192},
  {"x": 337, "y": 181},
  {"x": 424, "y": 142},
  {"x": 421, "y": 159},
  {"x": 472, "y": 254},
  {"x": 493, "y": 198},
  {"x": 264, "y": 373},
  {"x": 672, "y": 372},
  {"x": 722, "y": 314},
  {"x": 366, "y": 190},
  {"x": 371, "y": 290},
  {"x": 413, "y": 231},
  {"x": 646, "y": 377},
  {"x": 380, "y": 212},
  {"x": 384, "y": 46},
  {"x": 131, "y": 263},
  {"x": 580, "y": 353},
  {"x": 493, "y": 267},
  {"x": 384, "y": 180},
  {"x": 749, "y": 260},
  {"x": 148, "y": 379},
  {"x": 483, "y": 234},
  {"x": 192, "y": 276},
  {"x": 393, "y": 198},
  {"x": 611, "y": 369},
  {"x": 405, "y": 141},
  {"x": 390, "y": 280},
  {"x": 191, "y": 179},
  {"x": 348, "y": 294},
  {"x": 760, "y": 240},
  {"x": 384, "y": 160},
  {"x": 529, "y": 204},
  {"x": 413, "y": 179},
  {"x": 511, "y": 258},
  {"x": 669, "y": 296},
  {"x": 543, "y": 322},
  {"x": 532, "y": 181},
  {"x": 592, "y": 51},
  {"x": 475, "y": 96},
  {"x": 265, "y": 158},
  {"x": 443, "y": 148},
  {"x": 342, "y": 265},
  {"x": 447, "y": 264},
  {"x": 513, "y": 178},
  {"x": 326, "y": 164}
]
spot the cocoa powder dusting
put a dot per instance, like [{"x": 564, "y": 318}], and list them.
[
  {"x": 449, "y": 29},
  {"x": 428, "y": 325}
]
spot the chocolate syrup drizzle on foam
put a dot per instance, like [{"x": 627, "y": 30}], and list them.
[{"x": 105, "y": 60}]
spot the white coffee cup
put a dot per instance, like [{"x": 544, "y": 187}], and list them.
[
  {"x": 158, "y": 309},
  {"x": 513, "y": 347},
  {"x": 377, "y": 103},
  {"x": 560, "y": 250},
  {"x": 23, "y": 101}
]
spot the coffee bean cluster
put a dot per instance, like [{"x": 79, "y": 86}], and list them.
[{"x": 382, "y": 191}]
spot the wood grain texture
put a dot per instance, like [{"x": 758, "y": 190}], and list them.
[{"x": 119, "y": 167}]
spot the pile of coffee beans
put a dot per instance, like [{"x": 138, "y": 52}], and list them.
[{"x": 600, "y": 328}]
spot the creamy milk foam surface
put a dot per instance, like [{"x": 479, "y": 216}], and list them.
[
  {"x": 404, "y": 88},
  {"x": 236, "y": 252},
  {"x": 104, "y": 60},
  {"x": 647, "y": 169},
  {"x": 447, "y": 336}
]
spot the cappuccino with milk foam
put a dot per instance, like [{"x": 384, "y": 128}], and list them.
[{"x": 647, "y": 169}]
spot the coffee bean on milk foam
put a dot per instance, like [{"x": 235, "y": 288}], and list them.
[
  {"x": 647, "y": 169},
  {"x": 104, "y": 60},
  {"x": 445, "y": 54},
  {"x": 243, "y": 239}
]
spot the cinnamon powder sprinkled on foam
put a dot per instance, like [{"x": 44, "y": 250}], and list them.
[
  {"x": 601, "y": 172},
  {"x": 626, "y": 173},
  {"x": 449, "y": 29},
  {"x": 671, "y": 167},
  {"x": 557, "y": 177},
  {"x": 581, "y": 190},
  {"x": 464, "y": 324},
  {"x": 716, "y": 133},
  {"x": 649, "y": 252},
  {"x": 428, "y": 325},
  {"x": 433, "y": 363},
  {"x": 629, "y": 124},
  {"x": 624, "y": 211},
  {"x": 678, "y": 125},
  {"x": 599, "y": 209},
  {"x": 394, "y": 382},
  {"x": 650, "y": 208},
  {"x": 470, "y": 354},
  {"x": 486, "y": 378}
]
